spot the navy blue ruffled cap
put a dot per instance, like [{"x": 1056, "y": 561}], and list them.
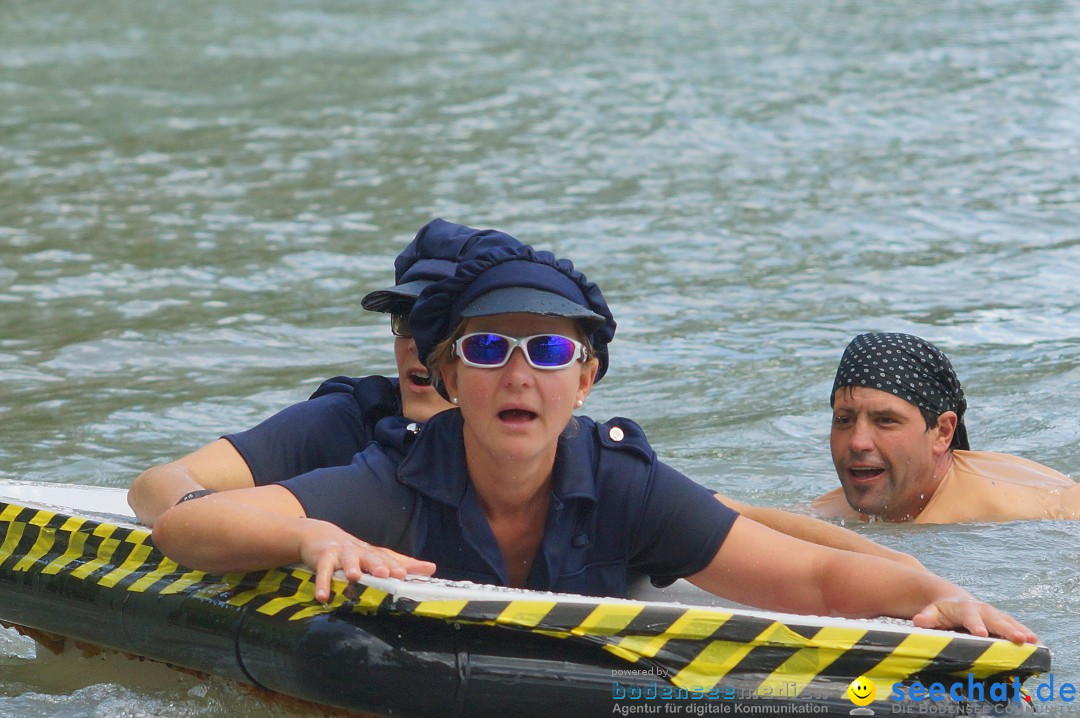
[
  {"x": 512, "y": 279},
  {"x": 432, "y": 255}
]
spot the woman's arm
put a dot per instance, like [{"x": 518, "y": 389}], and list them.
[
  {"x": 217, "y": 466},
  {"x": 326, "y": 430},
  {"x": 817, "y": 531},
  {"x": 264, "y": 527},
  {"x": 761, "y": 567}
]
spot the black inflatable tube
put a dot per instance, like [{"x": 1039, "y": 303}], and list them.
[
  {"x": 105, "y": 585},
  {"x": 386, "y": 664},
  {"x": 169, "y": 628},
  {"x": 417, "y": 667}
]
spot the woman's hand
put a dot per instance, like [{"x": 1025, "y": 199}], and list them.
[
  {"x": 326, "y": 549},
  {"x": 258, "y": 528},
  {"x": 978, "y": 618}
]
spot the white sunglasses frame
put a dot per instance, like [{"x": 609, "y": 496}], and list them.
[{"x": 580, "y": 352}]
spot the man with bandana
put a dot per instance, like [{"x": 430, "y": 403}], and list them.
[{"x": 900, "y": 446}]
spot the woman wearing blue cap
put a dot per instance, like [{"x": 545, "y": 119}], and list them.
[
  {"x": 339, "y": 419},
  {"x": 514, "y": 490}
]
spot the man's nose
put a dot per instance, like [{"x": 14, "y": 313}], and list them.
[{"x": 862, "y": 437}]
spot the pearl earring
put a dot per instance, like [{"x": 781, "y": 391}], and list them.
[
  {"x": 453, "y": 400},
  {"x": 580, "y": 402}
]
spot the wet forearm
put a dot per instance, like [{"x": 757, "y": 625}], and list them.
[
  {"x": 820, "y": 532},
  {"x": 218, "y": 535},
  {"x": 872, "y": 586}
]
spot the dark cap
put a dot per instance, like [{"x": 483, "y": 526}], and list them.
[
  {"x": 530, "y": 301},
  {"x": 432, "y": 255},
  {"x": 909, "y": 367},
  {"x": 506, "y": 280}
]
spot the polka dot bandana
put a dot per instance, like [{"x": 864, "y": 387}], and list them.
[{"x": 909, "y": 367}]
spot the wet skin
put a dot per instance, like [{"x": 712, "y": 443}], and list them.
[
  {"x": 888, "y": 462},
  {"x": 514, "y": 414}
]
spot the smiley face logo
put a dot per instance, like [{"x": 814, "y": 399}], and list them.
[{"x": 862, "y": 691}]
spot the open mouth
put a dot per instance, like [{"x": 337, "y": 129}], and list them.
[
  {"x": 419, "y": 378},
  {"x": 515, "y": 416},
  {"x": 865, "y": 473}
]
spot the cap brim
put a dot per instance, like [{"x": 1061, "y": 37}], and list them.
[
  {"x": 397, "y": 299},
  {"x": 506, "y": 300}
]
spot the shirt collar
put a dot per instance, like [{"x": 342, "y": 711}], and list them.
[{"x": 435, "y": 465}]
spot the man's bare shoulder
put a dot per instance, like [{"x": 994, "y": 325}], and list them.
[
  {"x": 991, "y": 486},
  {"x": 834, "y": 505},
  {"x": 1070, "y": 502},
  {"x": 1002, "y": 468}
]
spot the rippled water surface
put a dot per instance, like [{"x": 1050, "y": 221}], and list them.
[{"x": 194, "y": 197}]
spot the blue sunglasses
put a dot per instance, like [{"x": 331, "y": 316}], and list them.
[{"x": 542, "y": 351}]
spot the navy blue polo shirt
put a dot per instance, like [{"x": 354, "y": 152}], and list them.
[
  {"x": 328, "y": 429},
  {"x": 614, "y": 507}
]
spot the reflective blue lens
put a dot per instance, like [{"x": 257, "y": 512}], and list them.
[
  {"x": 486, "y": 349},
  {"x": 551, "y": 350}
]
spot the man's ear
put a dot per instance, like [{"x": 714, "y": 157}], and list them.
[{"x": 943, "y": 431}]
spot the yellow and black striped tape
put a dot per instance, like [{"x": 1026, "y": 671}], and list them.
[
  {"x": 696, "y": 648},
  {"x": 124, "y": 557}
]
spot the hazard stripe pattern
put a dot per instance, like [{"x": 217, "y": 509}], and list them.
[{"x": 696, "y": 648}]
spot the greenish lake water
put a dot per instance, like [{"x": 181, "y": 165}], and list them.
[{"x": 194, "y": 197}]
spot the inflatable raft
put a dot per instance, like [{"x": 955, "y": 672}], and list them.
[{"x": 73, "y": 563}]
